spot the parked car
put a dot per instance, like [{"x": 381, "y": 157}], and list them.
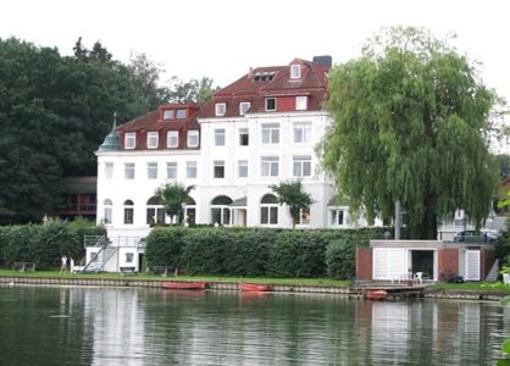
[{"x": 476, "y": 236}]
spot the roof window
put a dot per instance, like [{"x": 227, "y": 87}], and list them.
[
  {"x": 181, "y": 114},
  {"x": 295, "y": 71},
  {"x": 168, "y": 114},
  {"x": 264, "y": 76}
]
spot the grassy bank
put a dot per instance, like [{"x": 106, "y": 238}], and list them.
[
  {"x": 149, "y": 277},
  {"x": 473, "y": 287}
]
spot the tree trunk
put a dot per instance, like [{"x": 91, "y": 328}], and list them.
[{"x": 429, "y": 226}]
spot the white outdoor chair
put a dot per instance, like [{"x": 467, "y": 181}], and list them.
[{"x": 418, "y": 277}]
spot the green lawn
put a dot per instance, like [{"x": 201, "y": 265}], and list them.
[
  {"x": 473, "y": 286},
  {"x": 149, "y": 277}
]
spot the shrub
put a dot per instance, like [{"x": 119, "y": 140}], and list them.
[
  {"x": 257, "y": 251},
  {"x": 164, "y": 247},
  {"x": 298, "y": 253},
  {"x": 44, "y": 244}
]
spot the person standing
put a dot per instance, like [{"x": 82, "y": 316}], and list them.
[{"x": 63, "y": 265}]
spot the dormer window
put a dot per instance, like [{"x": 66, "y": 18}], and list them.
[
  {"x": 130, "y": 140},
  {"x": 181, "y": 114},
  {"x": 244, "y": 107},
  {"x": 301, "y": 103},
  {"x": 220, "y": 109},
  {"x": 270, "y": 104},
  {"x": 168, "y": 114},
  {"x": 295, "y": 71},
  {"x": 152, "y": 140}
]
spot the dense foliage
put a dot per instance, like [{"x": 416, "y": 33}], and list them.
[
  {"x": 257, "y": 251},
  {"x": 412, "y": 123},
  {"x": 174, "y": 196},
  {"x": 44, "y": 244},
  {"x": 56, "y": 110}
]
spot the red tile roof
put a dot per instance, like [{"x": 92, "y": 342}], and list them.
[{"x": 254, "y": 87}]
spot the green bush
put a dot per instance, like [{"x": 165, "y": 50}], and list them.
[
  {"x": 298, "y": 253},
  {"x": 258, "y": 251},
  {"x": 44, "y": 244},
  {"x": 164, "y": 247}
]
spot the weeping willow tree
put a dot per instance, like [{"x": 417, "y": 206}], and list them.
[{"x": 411, "y": 123}]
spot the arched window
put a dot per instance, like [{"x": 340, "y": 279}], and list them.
[
  {"x": 190, "y": 211},
  {"x": 220, "y": 210},
  {"x": 129, "y": 212},
  {"x": 107, "y": 217},
  {"x": 269, "y": 210},
  {"x": 155, "y": 211}
]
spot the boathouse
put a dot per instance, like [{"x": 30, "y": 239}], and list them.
[{"x": 397, "y": 260}]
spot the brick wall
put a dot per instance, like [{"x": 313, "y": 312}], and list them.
[
  {"x": 487, "y": 258},
  {"x": 364, "y": 263},
  {"x": 448, "y": 263}
]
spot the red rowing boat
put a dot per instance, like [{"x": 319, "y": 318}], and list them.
[
  {"x": 182, "y": 285},
  {"x": 376, "y": 295},
  {"x": 254, "y": 287}
]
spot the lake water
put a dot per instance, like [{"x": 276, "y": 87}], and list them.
[{"x": 92, "y": 326}]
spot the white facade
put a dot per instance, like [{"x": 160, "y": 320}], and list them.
[{"x": 292, "y": 148}]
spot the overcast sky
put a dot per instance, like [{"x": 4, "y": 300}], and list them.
[{"x": 223, "y": 38}]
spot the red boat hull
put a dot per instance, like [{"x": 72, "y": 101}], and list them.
[
  {"x": 254, "y": 287},
  {"x": 175, "y": 285},
  {"x": 376, "y": 295}
]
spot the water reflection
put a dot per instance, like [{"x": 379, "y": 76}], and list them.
[{"x": 89, "y": 326}]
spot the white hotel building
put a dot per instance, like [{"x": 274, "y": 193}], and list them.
[{"x": 260, "y": 130}]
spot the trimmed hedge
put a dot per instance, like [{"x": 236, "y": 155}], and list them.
[
  {"x": 258, "y": 251},
  {"x": 44, "y": 244}
]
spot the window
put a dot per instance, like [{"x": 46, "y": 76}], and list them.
[
  {"x": 129, "y": 257},
  {"x": 171, "y": 170},
  {"x": 190, "y": 211},
  {"x": 168, "y": 114},
  {"x": 302, "y": 133},
  {"x": 172, "y": 139},
  {"x": 219, "y": 169},
  {"x": 243, "y": 137},
  {"x": 152, "y": 170},
  {"x": 128, "y": 212},
  {"x": 193, "y": 138},
  {"x": 337, "y": 217},
  {"x": 220, "y": 210},
  {"x": 271, "y": 133},
  {"x": 191, "y": 169},
  {"x": 270, "y": 104},
  {"x": 108, "y": 170},
  {"x": 295, "y": 71},
  {"x": 130, "y": 140},
  {"x": 219, "y": 137},
  {"x": 243, "y": 168},
  {"x": 181, "y": 114},
  {"x": 129, "y": 170},
  {"x": 220, "y": 109},
  {"x": 269, "y": 210},
  {"x": 302, "y": 166},
  {"x": 304, "y": 217},
  {"x": 152, "y": 140},
  {"x": 244, "y": 107},
  {"x": 155, "y": 211},
  {"x": 301, "y": 103},
  {"x": 107, "y": 211},
  {"x": 269, "y": 166}
]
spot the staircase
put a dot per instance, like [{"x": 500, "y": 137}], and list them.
[{"x": 99, "y": 260}]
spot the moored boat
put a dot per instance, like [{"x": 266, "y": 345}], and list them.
[
  {"x": 254, "y": 287},
  {"x": 376, "y": 295},
  {"x": 182, "y": 285}
]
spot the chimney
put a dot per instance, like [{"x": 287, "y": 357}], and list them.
[
  {"x": 250, "y": 72},
  {"x": 325, "y": 60}
]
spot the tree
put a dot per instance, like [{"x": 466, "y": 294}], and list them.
[
  {"x": 174, "y": 197},
  {"x": 192, "y": 91},
  {"x": 411, "y": 123},
  {"x": 292, "y": 194},
  {"x": 503, "y": 161},
  {"x": 54, "y": 113}
]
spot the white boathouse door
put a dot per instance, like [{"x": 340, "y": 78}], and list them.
[{"x": 472, "y": 265}]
